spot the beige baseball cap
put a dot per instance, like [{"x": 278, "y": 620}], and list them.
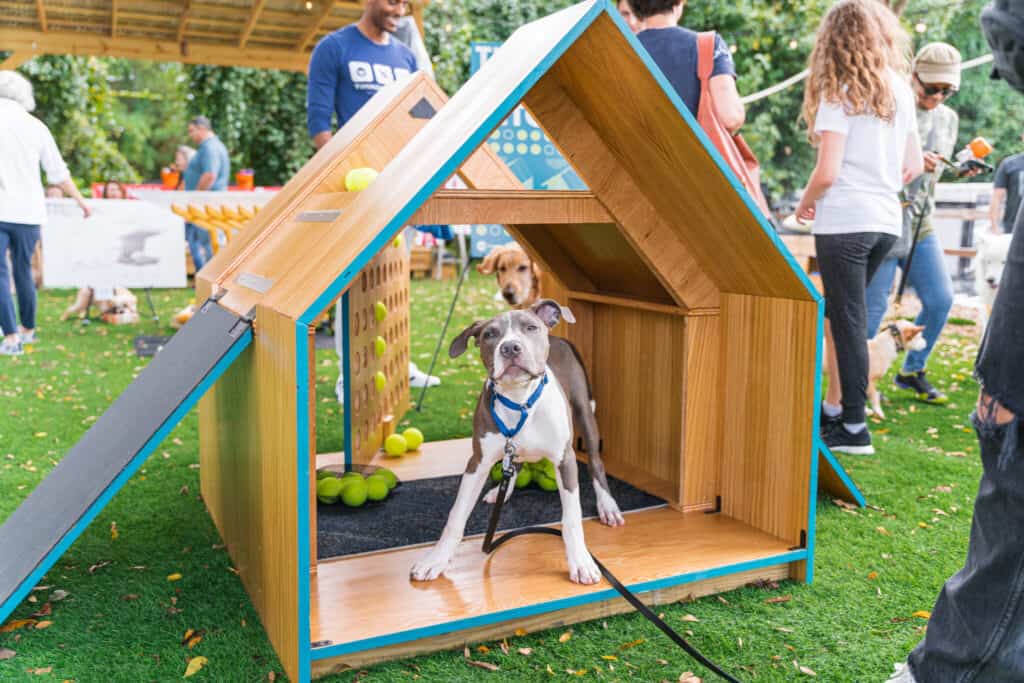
[{"x": 938, "y": 63}]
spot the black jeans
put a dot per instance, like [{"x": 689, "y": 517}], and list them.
[{"x": 847, "y": 262}]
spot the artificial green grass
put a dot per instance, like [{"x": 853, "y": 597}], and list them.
[{"x": 123, "y": 620}]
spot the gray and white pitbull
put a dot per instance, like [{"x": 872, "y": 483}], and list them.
[{"x": 517, "y": 351}]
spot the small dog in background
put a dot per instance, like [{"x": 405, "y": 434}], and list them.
[
  {"x": 899, "y": 335},
  {"x": 119, "y": 309},
  {"x": 993, "y": 251},
  {"x": 518, "y": 275}
]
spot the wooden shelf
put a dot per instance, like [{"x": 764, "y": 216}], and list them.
[{"x": 528, "y": 576}]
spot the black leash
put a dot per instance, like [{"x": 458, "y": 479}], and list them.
[
  {"x": 444, "y": 330},
  {"x": 491, "y": 544}
]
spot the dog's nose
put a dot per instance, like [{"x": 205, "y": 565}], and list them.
[
  {"x": 508, "y": 293},
  {"x": 511, "y": 349}
]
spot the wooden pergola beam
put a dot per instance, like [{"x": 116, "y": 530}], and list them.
[
  {"x": 250, "y": 24},
  {"x": 183, "y": 22},
  {"x": 41, "y": 12},
  {"x": 113, "y": 19},
  {"x": 325, "y": 11}
]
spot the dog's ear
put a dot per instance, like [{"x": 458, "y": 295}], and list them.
[
  {"x": 535, "y": 269},
  {"x": 911, "y": 331},
  {"x": 490, "y": 262},
  {"x": 551, "y": 312},
  {"x": 459, "y": 344}
]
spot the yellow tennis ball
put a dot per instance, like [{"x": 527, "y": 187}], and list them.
[
  {"x": 376, "y": 487},
  {"x": 379, "y": 346},
  {"x": 524, "y": 478},
  {"x": 380, "y": 380},
  {"x": 397, "y": 242},
  {"x": 380, "y": 311},
  {"x": 413, "y": 438},
  {"x": 359, "y": 179},
  {"x": 390, "y": 476},
  {"x": 545, "y": 482},
  {"x": 354, "y": 494},
  {"x": 328, "y": 490},
  {"x": 395, "y": 445}
]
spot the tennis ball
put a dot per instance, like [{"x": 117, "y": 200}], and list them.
[
  {"x": 328, "y": 490},
  {"x": 395, "y": 445},
  {"x": 380, "y": 380},
  {"x": 352, "y": 475},
  {"x": 380, "y": 311},
  {"x": 354, "y": 494},
  {"x": 496, "y": 472},
  {"x": 397, "y": 242},
  {"x": 545, "y": 482},
  {"x": 388, "y": 475},
  {"x": 413, "y": 438},
  {"x": 359, "y": 179},
  {"x": 376, "y": 487},
  {"x": 379, "y": 346},
  {"x": 524, "y": 478},
  {"x": 546, "y": 466},
  {"x": 323, "y": 474}
]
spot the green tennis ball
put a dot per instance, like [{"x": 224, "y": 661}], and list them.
[
  {"x": 496, "y": 472},
  {"x": 524, "y": 478},
  {"x": 351, "y": 475},
  {"x": 328, "y": 490},
  {"x": 359, "y": 179},
  {"x": 397, "y": 242},
  {"x": 545, "y": 482},
  {"x": 323, "y": 474},
  {"x": 546, "y": 466},
  {"x": 388, "y": 475},
  {"x": 380, "y": 380},
  {"x": 395, "y": 445},
  {"x": 379, "y": 346},
  {"x": 413, "y": 438},
  {"x": 354, "y": 494},
  {"x": 376, "y": 487},
  {"x": 380, "y": 311}
]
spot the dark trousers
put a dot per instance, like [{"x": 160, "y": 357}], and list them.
[
  {"x": 847, "y": 263},
  {"x": 976, "y": 631},
  {"x": 20, "y": 241}
]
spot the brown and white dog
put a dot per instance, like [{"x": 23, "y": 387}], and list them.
[
  {"x": 897, "y": 336},
  {"x": 518, "y": 353},
  {"x": 518, "y": 275},
  {"x": 119, "y": 309}
]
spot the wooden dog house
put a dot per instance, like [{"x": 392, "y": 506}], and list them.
[{"x": 700, "y": 333}]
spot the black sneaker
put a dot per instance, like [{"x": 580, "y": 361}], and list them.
[
  {"x": 922, "y": 388},
  {"x": 838, "y": 438},
  {"x": 824, "y": 419}
]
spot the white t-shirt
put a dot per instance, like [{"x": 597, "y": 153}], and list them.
[
  {"x": 26, "y": 145},
  {"x": 864, "y": 197}
]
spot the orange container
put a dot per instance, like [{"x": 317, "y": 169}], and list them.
[
  {"x": 169, "y": 178},
  {"x": 245, "y": 179},
  {"x": 980, "y": 147}
]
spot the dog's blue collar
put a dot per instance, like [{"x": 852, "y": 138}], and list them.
[{"x": 522, "y": 408}]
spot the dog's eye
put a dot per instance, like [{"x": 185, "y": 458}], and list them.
[
  {"x": 532, "y": 328},
  {"x": 502, "y": 269},
  {"x": 488, "y": 334},
  {"x": 522, "y": 268}
]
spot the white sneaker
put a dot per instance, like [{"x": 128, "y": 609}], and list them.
[
  {"x": 419, "y": 379},
  {"x": 11, "y": 348},
  {"x": 27, "y": 337},
  {"x": 901, "y": 674}
]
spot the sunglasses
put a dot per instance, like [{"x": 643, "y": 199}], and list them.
[{"x": 931, "y": 90}]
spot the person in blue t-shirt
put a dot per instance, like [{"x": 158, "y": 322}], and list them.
[
  {"x": 674, "y": 50},
  {"x": 350, "y": 65},
  {"x": 208, "y": 170}
]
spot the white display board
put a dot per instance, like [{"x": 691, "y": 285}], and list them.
[
  {"x": 200, "y": 199},
  {"x": 125, "y": 243}
]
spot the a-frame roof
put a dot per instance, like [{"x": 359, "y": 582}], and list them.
[{"x": 594, "y": 89}]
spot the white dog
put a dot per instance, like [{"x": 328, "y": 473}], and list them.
[{"x": 988, "y": 270}]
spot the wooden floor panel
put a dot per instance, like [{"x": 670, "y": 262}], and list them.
[
  {"x": 434, "y": 459},
  {"x": 654, "y": 544}
]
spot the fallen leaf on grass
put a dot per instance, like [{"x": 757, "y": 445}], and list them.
[
  {"x": 194, "y": 665},
  {"x": 839, "y": 502},
  {"x": 689, "y": 677},
  {"x": 944, "y": 489},
  {"x": 923, "y": 614},
  {"x": 783, "y": 629},
  {"x": 776, "y": 600},
  {"x": 99, "y": 565},
  {"x": 272, "y": 676},
  {"x": 633, "y": 643},
  {"x": 956, "y": 454},
  {"x": 129, "y": 596},
  {"x": 689, "y": 617},
  {"x": 174, "y": 577},
  {"x": 43, "y": 624},
  {"x": 565, "y": 637},
  {"x": 113, "y": 531},
  {"x": 520, "y": 631},
  {"x": 872, "y": 576},
  {"x": 482, "y": 665},
  {"x": 6, "y": 654},
  {"x": 525, "y": 651},
  {"x": 610, "y": 658},
  {"x": 16, "y": 624},
  {"x": 804, "y": 670},
  {"x": 504, "y": 646},
  {"x": 483, "y": 649},
  {"x": 41, "y": 671},
  {"x": 58, "y": 595},
  {"x": 44, "y": 611},
  {"x": 882, "y": 530}
]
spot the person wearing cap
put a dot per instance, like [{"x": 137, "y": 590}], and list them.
[
  {"x": 1007, "y": 193},
  {"x": 208, "y": 170},
  {"x": 936, "y": 78}
]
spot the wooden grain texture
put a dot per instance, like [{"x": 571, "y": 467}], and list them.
[
  {"x": 248, "y": 462},
  {"x": 385, "y": 279},
  {"x": 433, "y": 459},
  {"x": 510, "y": 207},
  {"x": 768, "y": 388},
  {"x": 704, "y": 412},
  {"x": 638, "y": 379},
  {"x": 654, "y": 544},
  {"x": 645, "y": 138},
  {"x": 539, "y": 622}
]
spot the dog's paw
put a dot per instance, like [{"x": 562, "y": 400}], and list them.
[
  {"x": 430, "y": 567},
  {"x": 583, "y": 570},
  {"x": 608, "y": 509}
]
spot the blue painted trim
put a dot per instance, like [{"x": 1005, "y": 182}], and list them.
[
  {"x": 659, "y": 76},
  {"x": 812, "y": 504},
  {"x": 834, "y": 463},
  {"x": 551, "y": 606},
  {"x": 122, "y": 478},
  {"x": 452, "y": 164},
  {"x": 303, "y": 480},
  {"x": 346, "y": 373}
]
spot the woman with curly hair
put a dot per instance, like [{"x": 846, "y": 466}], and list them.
[{"x": 859, "y": 109}]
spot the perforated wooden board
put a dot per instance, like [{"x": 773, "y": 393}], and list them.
[{"x": 385, "y": 279}]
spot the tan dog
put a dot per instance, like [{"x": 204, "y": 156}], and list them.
[
  {"x": 518, "y": 276},
  {"x": 899, "y": 335},
  {"x": 120, "y": 309}
]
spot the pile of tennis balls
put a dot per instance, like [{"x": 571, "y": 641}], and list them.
[
  {"x": 541, "y": 473},
  {"x": 352, "y": 488},
  {"x": 398, "y": 444}
]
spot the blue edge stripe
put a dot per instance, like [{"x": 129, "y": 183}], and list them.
[
  {"x": 101, "y": 502},
  {"x": 306, "y": 653}
]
